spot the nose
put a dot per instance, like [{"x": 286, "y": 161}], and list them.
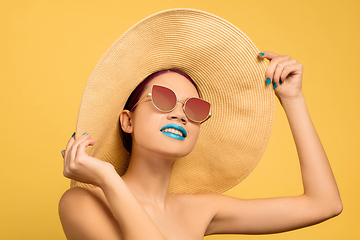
[{"x": 178, "y": 113}]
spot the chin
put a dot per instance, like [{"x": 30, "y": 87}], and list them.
[{"x": 174, "y": 151}]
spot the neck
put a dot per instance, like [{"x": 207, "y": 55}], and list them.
[{"x": 148, "y": 177}]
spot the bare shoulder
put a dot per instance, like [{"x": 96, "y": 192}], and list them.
[
  {"x": 85, "y": 214},
  {"x": 75, "y": 198}
]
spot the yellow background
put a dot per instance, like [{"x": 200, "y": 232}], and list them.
[{"x": 49, "y": 48}]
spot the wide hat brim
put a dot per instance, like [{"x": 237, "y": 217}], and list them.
[{"x": 224, "y": 64}]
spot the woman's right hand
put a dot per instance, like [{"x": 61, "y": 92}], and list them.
[{"x": 79, "y": 166}]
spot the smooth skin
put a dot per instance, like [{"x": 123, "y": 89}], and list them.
[{"x": 138, "y": 205}]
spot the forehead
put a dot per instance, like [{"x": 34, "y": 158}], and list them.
[{"x": 176, "y": 82}]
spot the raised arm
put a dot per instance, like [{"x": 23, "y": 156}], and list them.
[
  {"x": 321, "y": 198},
  {"x": 84, "y": 214}
]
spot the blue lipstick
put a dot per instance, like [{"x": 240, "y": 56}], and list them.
[{"x": 173, "y": 135}]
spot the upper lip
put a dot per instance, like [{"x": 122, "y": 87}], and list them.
[{"x": 175, "y": 126}]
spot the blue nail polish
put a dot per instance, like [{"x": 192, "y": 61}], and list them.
[
  {"x": 280, "y": 82},
  {"x": 84, "y": 133},
  {"x": 73, "y": 134},
  {"x": 275, "y": 85},
  {"x": 62, "y": 151},
  {"x": 261, "y": 54},
  {"x": 268, "y": 81}
]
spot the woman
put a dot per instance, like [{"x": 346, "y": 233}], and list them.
[{"x": 138, "y": 205}]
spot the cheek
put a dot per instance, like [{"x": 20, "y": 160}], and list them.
[
  {"x": 145, "y": 125},
  {"x": 195, "y": 131}
]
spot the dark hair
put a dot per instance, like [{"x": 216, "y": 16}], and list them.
[{"x": 135, "y": 96}]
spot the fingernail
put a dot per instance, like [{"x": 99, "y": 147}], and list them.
[
  {"x": 84, "y": 133},
  {"x": 87, "y": 134},
  {"x": 62, "y": 151},
  {"x": 261, "y": 54},
  {"x": 280, "y": 82},
  {"x": 268, "y": 81},
  {"x": 275, "y": 85},
  {"x": 73, "y": 134}
]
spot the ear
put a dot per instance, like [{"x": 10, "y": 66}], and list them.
[{"x": 126, "y": 121}]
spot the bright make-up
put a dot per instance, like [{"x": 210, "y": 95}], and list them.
[{"x": 174, "y": 131}]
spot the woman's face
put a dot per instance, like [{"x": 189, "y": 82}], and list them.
[{"x": 148, "y": 122}]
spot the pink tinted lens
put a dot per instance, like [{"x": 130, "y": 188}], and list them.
[
  {"x": 163, "y": 98},
  {"x": 197, "y": 109}
]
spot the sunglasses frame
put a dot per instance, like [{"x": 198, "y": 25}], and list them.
[{"x": 182, "y": 101}]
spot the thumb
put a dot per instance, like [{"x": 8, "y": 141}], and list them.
[{"x": 82, "y": 147}]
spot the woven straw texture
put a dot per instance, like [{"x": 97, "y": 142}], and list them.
[{"x": 224, "y": 64}]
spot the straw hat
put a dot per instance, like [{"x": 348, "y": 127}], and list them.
[{"x": 224, "y": 64}]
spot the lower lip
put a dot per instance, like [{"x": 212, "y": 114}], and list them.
[{"x": 173, "y": 135}]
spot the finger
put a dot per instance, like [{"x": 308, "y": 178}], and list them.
[
  {"x": 63, "y": 153},
  {"x": 268, "y": 55},
  {"x": 82, "y": 147},
  {"x": 69, "y": 160},
  {"x": 293, "y": 69},
  {"x": 73, "y": 150},
  {"x": 270, "y": 71},
  {"x": 286, "y": 72},
  {"x": 68, "y": 148},
  {"x": 280, "y": 68},
  {"x": 70, "y": 142}
]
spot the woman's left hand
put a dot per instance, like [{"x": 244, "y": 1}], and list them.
[{"x": 285, "y": 73}]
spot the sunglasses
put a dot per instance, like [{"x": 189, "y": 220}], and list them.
[{"x": 165, "y": 100}]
